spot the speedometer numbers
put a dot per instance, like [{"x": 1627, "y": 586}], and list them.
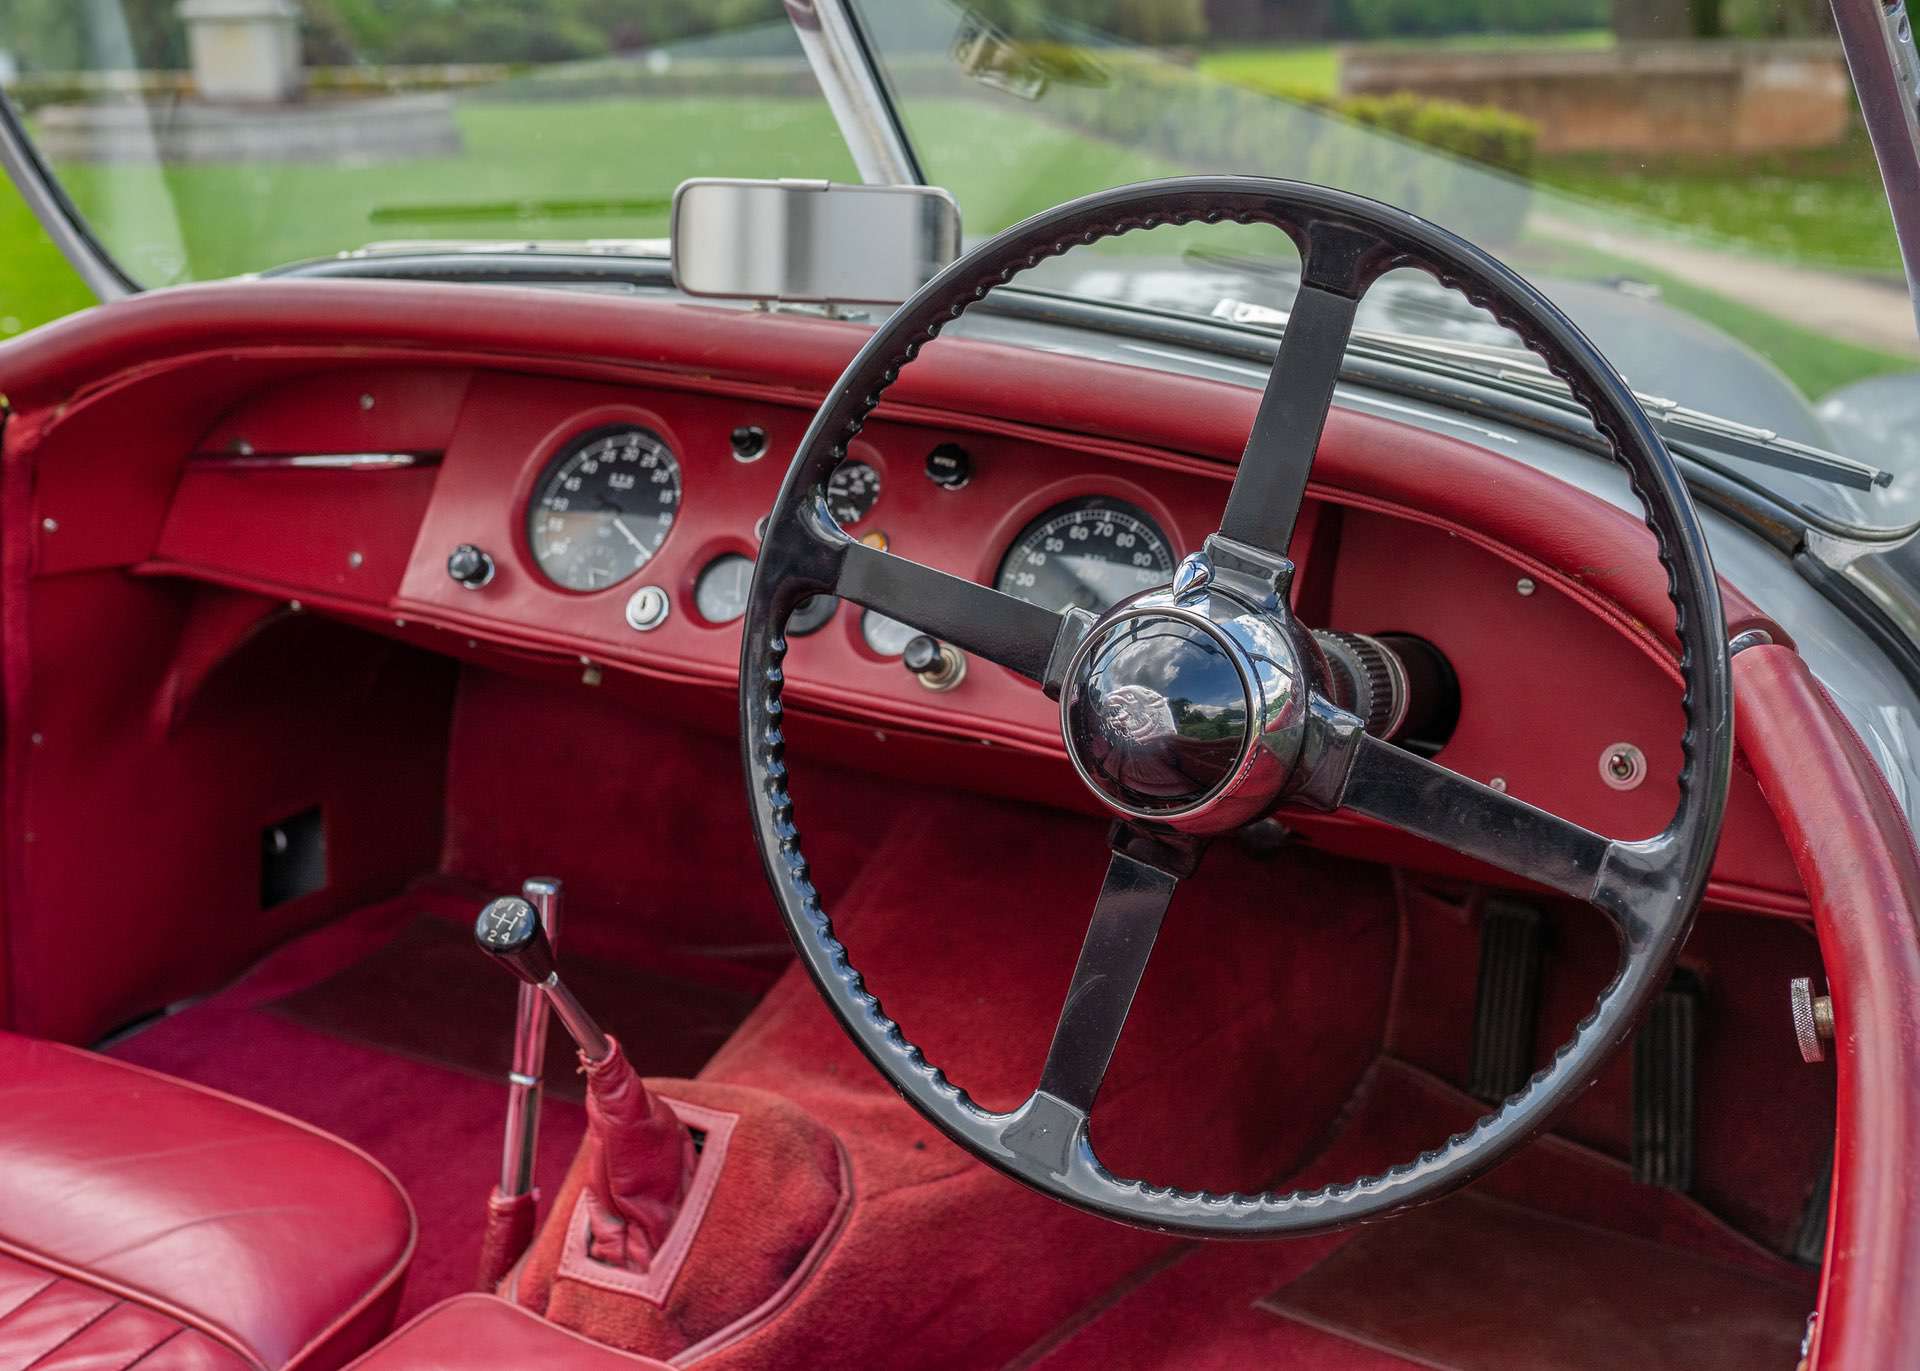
[
  {"x": 603, "y": 506},
  {"x": 1088, "y": 554}
]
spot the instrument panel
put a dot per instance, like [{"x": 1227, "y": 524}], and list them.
[
  {"x": 1040, "y": 512},
  {"x": 607, "y": 495}
]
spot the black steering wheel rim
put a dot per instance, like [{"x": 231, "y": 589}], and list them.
[{"x": 1650, "y": 889}]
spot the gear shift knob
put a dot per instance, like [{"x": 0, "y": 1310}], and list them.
[{"x": 509, "y": 931}]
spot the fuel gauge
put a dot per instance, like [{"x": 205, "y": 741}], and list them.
[{"x": 721, "y": 592}]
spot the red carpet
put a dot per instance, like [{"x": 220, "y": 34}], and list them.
[
  {"x": 1664, "y": 1286},
  {"x": 439, "y": 1130}
]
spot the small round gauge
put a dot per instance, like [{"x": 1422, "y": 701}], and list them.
[
  {"x": 852, "y": 492},
  {"x": 720, "y": 594},
  {"x": 1088, "y": 554},
  {"x": 887, "y": 637},
  {"x": 603, "y": 506},
  {"x": 811, "y": 615}
]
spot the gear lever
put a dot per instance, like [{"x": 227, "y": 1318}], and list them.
[
  {"x": 641, "y": 1156},
  {"x": 509, "y": 930}
]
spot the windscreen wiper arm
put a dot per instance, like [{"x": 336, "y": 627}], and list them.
[
  {"x": 1731, "y": 438},
  {"x": 1725, "y": 437}
]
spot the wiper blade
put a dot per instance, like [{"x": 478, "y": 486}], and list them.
[
  {"x": 1725, "y": 437},
  {"x": 1730, "y": 437},
  {"x": 604, "y": 207},
  {"x": 494, "y": 247}
]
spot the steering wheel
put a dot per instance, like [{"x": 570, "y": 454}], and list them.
[{"x": 1200, "y": 706}]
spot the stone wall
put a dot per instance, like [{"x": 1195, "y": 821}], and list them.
[{"x": 1652, "y": 97}]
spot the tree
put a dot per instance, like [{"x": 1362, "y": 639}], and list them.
[
  {"x": 1300, "y": 20},
  {"x": 1636, "y": 20}
]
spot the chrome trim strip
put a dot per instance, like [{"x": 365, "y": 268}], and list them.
[
  {"x": 850, "y": 77},
  {"x": 1879, "y": 44},
  {"x": 314, "y": 461},
  {"x": 56, "y": 213}
]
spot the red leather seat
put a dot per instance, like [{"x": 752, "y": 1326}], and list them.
[
  {"x": 471, "y": 1332},
  {"x": 145, "y": 1220}
]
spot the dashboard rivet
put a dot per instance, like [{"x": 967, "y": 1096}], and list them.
[
  {"x": 1498, "y": 783},
  {"x": 647, "y": 609},
  {"x": 295, "y": 607},
  {"x": 1623, "y": 766},
  {"x": 50, "y": 524},
  {"x": 1524, "y": 585},
  {"x": 356, "y": 560},
  {"x": 591, "y": 676},
  {"x": 366, "y": 402}
]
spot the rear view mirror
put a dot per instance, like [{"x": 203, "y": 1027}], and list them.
[{"x": 810, "y": 241}]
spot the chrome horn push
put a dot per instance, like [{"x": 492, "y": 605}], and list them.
[{"x": 1189, "y": 706}]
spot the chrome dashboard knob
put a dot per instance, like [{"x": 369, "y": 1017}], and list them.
[{"x": 471, "y": 567}]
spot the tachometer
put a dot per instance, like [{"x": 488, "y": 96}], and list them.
[
  {"x": 603, "y": 506},
  {"x": 1088, "y": 553}
]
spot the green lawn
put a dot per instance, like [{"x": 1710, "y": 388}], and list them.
[
  {"x": 606, "y": 168},
  {"x": 1311, "y": 69},
  {"x": 36, "y": 284},
  {"x": 1818, "y": 207}
]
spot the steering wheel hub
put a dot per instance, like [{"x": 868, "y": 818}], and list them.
[
  {"x": 1186, "y": 707},
  {"x": 1156, "y": 717}
]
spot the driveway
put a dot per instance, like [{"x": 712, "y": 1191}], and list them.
[{"x": 1871, "y": 311}]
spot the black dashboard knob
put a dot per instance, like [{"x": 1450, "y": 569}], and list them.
[
  {"x": 470, "y": 566},
  {"x": 922, "y": 655},
  {"x": 949, "y": 466},
  {"x": 935, "y": 665}
]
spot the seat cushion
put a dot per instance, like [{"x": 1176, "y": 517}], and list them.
[
  {"x": 144, "y": 1218},
  {"x": 471, "y": 1332}
]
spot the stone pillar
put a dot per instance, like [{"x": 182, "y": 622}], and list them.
[{"x": 244, "y": 51}]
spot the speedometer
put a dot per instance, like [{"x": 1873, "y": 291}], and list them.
[
  {"x": 1089, "y": 553},
  {"x": 603, "y": 506}
]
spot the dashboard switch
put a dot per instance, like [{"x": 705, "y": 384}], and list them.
[
  {"x": 949, "y": 466},
  {"x": 470, "y": 566},
  {"x": 749, "y": 443},
  {"x": 934, "y": 663}
]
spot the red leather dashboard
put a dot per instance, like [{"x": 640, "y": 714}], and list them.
[{"x": 1407, "y": 531}]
